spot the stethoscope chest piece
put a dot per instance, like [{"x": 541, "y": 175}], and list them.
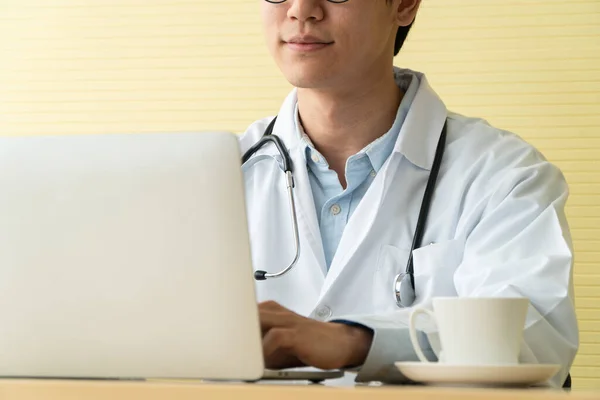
[{"x": 403, "y": 291}]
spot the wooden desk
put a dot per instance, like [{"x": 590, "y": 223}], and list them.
[{"x": 159, "y": 390}]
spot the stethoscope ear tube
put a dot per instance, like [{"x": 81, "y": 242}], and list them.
[
  {"x": 263, "y": 275},
  {"x": 404, "y": 284},
  {"x": 276, "y": 140},
  {"x": 268, "y": 137}
]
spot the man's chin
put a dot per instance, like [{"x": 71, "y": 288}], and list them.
[{"x": 308, "y": 78}]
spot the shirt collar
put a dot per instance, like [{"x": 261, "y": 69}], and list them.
[
  {"x": 422, "y": 126},
  {"x": 380, "y": 149},
  {"x": 304, "y": 142}
]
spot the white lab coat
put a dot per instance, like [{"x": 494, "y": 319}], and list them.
[{"x": 496, "y": 227}]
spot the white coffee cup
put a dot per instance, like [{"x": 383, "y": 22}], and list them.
[{"x": 475, "y": 331}]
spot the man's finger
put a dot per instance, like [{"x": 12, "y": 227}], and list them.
[
  {"x": 270, "y": 305},
  {"x": 278, "y": 349},
  {"x": 276, "y": 319}
]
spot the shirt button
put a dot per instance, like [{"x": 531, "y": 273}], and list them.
[
  {"x": 373, "y": 173},
  {"x": 335, "y": 209},
  {"x": 315, "y": 157},
  {"x": 323, "y": 312}
]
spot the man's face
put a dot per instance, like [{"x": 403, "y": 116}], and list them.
[{"x": 320, "y": 44}]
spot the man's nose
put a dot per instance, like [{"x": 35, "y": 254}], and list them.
[{"x": 306, "y": 10}]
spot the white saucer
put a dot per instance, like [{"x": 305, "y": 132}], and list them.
[{"x": 477, "y": 375}]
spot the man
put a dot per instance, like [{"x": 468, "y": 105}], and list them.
[{"x": 362, "y": 136}]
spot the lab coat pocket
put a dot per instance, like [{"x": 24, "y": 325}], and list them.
[
  {"x": 434, "y": 267},
  {"x": 391, "y": 261}
]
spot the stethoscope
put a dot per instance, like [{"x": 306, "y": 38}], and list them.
[{"x": 404, "y": 282}]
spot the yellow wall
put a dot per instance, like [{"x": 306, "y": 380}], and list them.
[{"x": 531, "y": 66}]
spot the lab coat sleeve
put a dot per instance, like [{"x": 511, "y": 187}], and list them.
[
  {"x": 391, "y": 343},
  {"x": 517, "y": 245}
]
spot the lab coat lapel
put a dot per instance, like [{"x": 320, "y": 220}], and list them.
[
  {"x": 313, "y": 256},
  {"x": 361, "y": 222},
  {"x": 307, "y": 216},
  {"x": 417, "y": 142}
]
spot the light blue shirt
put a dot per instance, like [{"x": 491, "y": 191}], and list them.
[{"x": 333, "y": 204}]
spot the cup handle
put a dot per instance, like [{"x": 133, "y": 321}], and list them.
[{"x": 413, "y": 331}]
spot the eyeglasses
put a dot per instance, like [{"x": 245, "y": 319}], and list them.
[{"x": 283, "y": 1}]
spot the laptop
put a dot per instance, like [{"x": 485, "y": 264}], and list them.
[{"x": 126, "y": 256}]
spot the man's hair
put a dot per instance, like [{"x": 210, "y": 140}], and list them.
[{"x": 401, "y": 35}]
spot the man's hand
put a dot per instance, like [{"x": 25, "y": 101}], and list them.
[{"x": 291, "y": 340}]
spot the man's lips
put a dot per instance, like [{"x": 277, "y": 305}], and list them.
[
  {"x": 306, "y": 46},
  {"x": 306, "y": 43}
]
